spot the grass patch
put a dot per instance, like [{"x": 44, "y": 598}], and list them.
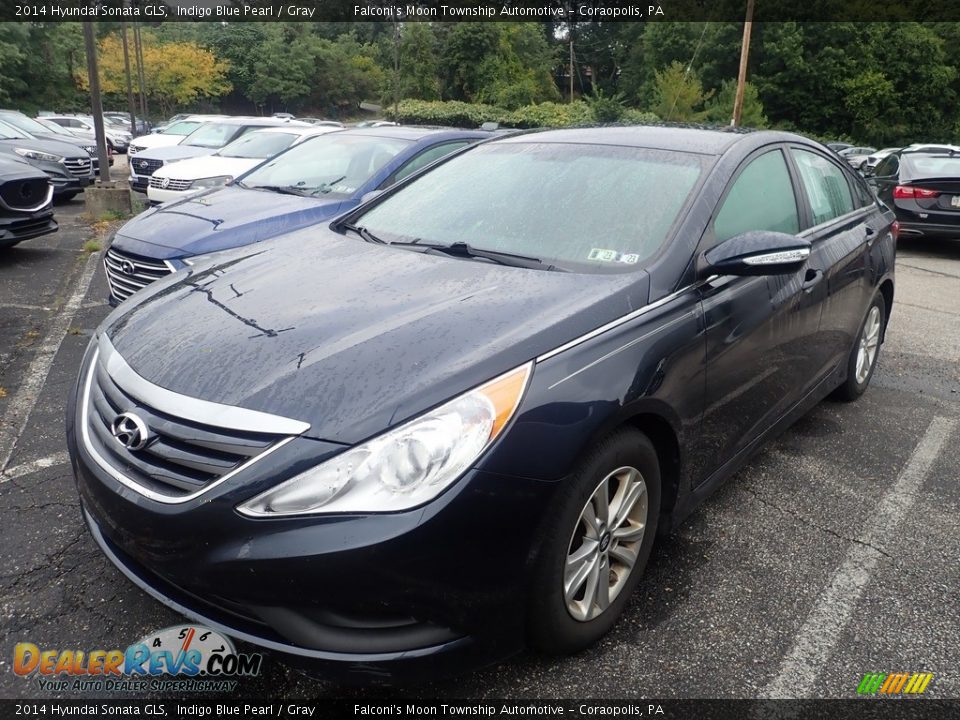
[
  {"x": 92, "y": 246},
  {"x": 3, "y": 393}
]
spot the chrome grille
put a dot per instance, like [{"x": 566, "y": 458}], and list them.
[
  {"x": 184, "y": 456},
  {"x": 171, "y": 184},
  {"x": 79, "y": 167},
  {"x": 145, "y": 166},
  {"x": 128, "y": 273}
]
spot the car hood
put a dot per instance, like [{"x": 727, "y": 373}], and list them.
[
  {"x": 55, "y": 147},
  {"x": 207, "y": 166},
  {"x": 13, "y": 169},
  {"x": 175, "y": 152},
  {"x": 353, "y": 337},
  {"x": 219, "y": 219},
  {"x": 156, "y": 140}
]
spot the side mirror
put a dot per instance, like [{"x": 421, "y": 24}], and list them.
[
  {"x": 370, "y": 196},
  {"x": 758, "y": 252}
]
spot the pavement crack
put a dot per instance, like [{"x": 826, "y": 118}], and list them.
[{"x": 812, "y": 523}]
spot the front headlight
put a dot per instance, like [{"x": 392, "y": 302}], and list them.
[
  {"x": 37, "y": 155},
  {"x": 91, "y": 150},
  {"x": 211, "y": 181},
  {"x": 406, "y": 466}
]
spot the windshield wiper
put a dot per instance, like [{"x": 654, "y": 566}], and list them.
[
  {"x": 284, "y": 189},
  {"x": 464, "y": 250},
  {"x": 327, "y": 186},
  {"x": 364, "y": 233}
]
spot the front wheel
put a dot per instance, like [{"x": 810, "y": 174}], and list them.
[
  {"x": 596, "y": 544},
  {"x": 863, "y": 357}
]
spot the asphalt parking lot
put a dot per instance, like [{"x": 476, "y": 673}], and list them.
[{"x": 833, "y": 554}]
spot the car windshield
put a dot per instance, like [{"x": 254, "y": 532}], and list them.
[
  {"x": 22, "y": 122},
  {"x": 596, "y": 208},
  {"x": 182, "y": 128},
  {"x": 939, "y": 166},
  {"x": 333, "y": 165},
  {"x": 211, "y": 135},
  {"x": 9, "y": 132},
  {"x": 258, "y": 145},
  {"x": 52, "y": 127}
]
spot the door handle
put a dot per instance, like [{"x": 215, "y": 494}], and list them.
[{"x": 811, "y": 279}]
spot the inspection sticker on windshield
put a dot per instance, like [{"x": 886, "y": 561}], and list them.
[{"x": 613, "y": 256}]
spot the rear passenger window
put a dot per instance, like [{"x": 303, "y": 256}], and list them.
[
  {"x": 827, "y": 188},
  {"x": 889, "y": 166},
  {"x": 427, "y": 157},
  {"x": 761, "y": 198}
]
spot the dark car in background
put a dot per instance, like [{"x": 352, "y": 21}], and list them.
[
  {"x": 36, "y": 129},
  {"x": 26, "y": 203},
  {"x": 206, "y": 139},
  {"x": 452, "y": 421},
  {"x": 69, "y": 167},
  {"x": 307, "y": 184},
  {"x": 923, "y": 190}
]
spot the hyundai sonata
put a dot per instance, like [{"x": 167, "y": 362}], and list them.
[{"x": 452, "y": 422}]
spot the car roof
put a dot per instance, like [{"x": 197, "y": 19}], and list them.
[
  {"x": 249, "y": 120},
  {"x": 415, "y": 132},
  {"x": 297, "y": 130},
  {"x": 704, "y": 140}
]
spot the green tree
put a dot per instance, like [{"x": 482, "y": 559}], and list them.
[
  {"x": 419, "y": 62},
  {"x": 678, "y": 94},
  {"x": 719, "y": 109}
]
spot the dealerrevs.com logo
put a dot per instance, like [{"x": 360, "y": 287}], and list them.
[{"x": 179, "y": 658}]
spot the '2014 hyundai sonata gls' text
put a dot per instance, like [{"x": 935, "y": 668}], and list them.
[{"x": 451, "y": 423}]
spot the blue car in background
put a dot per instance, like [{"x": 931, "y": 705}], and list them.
[{"x": 307, "y": 184}]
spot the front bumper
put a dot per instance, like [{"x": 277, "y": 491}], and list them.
[
  {"x": 160, "y": 195},
  {"x": 18, "y": 227},
  {"x": 139, "y": 183},
  {"x": 427, "y": 591}
]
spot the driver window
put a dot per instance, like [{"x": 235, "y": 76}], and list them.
[{"x": 761, "y": 198}]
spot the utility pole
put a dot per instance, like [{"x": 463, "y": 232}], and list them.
[
  {"x": 138, "y": 52},
  {"x": 742, "y": 75},
  {"x": 571, "y": 65},
  {"x": 396, "y": 67},
  {"x": 131, "y": 108},
  {"x": 93, "y": 74}
]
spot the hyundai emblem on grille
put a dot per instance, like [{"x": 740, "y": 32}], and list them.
[
  {"x": 130, "y": 431},
  {"x": 127, "y": 267}
]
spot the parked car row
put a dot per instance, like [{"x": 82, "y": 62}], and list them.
[
  {"x": 68, "y": 164},
  {"x": 444, "y": 387}
]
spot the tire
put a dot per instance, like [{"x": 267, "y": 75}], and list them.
[
  {"x": 561, "y": 625},
  {"x": 870, "y": 335}
]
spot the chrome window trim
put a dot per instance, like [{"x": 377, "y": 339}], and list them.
[
  {"x": 189, "y": 408},
  {"x": 128, "y": 482},
  {"x": 33, "y": 209},
  {"x": 616, "y": 323}
]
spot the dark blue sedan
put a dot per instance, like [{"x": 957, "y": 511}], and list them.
[
  {"x": 307, "y": 184},
  {"x": 452, "y": 421}
]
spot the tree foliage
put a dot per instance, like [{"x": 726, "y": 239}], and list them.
[
  {"x": 878, "y": 83},
  {"x": 181, "y": 73}
]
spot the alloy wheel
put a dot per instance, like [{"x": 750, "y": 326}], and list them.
[
  {"x": 605, "y": 543},
  {"x": 869, "y": 344}
]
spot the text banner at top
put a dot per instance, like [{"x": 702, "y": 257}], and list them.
[{"x": 156, "y": 11}]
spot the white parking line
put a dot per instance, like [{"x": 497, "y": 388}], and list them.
[
  {"x": 815, "y": 641},
  {"x": 25, "y": 397},
  {"x": 33, "y": 466}
]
